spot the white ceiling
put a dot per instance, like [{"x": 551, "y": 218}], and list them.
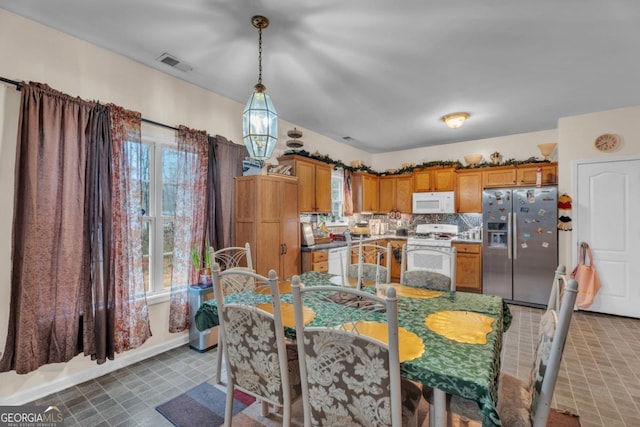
[{"x": 383, "y": 72}]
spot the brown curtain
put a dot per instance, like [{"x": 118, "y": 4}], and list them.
[
  {"x": 98, "y": 305},
  {"x": 50, "y": 257},
  {"x": 189, "y": 221},
  {"x": 227, "y": 164},
  {"x": 131, "y": 323}
]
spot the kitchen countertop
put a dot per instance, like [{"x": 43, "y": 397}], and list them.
[
  {"x": 476, "y": 241},
  {"x": 340, "y": 244},
  {"x": 355, "y": 240}
]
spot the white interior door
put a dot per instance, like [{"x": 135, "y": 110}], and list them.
[{"x": 606, "y": 217}]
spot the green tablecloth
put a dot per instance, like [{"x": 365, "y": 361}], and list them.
[{"x": 467, "y": 370}]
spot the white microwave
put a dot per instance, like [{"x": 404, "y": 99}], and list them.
[{"x": 433, "y": 203}]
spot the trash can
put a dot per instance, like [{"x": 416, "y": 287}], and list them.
[{"x": 200, "y": 340}]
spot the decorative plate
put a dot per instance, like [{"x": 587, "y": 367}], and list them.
[{"x": 607, "y": 142}]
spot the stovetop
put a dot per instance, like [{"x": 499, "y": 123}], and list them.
[{"x": 433, "y": 235}]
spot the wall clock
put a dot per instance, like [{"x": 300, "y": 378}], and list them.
[{"x": 607, "y": 142}]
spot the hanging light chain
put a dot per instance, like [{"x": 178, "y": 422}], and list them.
[{"x": 260, "y": 55}]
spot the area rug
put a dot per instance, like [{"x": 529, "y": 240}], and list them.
[{"x": 203, "y": 405}]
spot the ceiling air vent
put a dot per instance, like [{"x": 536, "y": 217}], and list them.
[{"x": 174, "y": 62}]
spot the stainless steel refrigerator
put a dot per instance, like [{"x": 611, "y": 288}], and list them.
[{"x": 520, "y": 243}]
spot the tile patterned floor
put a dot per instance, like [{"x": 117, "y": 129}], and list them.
[{"x": 599, "y": 377}]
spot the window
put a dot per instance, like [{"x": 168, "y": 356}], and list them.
[
  {"x": 159, "y": 168},
  {"x": 337, "y": 193}
]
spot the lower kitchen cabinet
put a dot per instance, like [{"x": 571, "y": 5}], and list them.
[
  {"x": 396, "y": 259},
  {"x": 315, "y": 261},
  {"x": 468, "y": 267},
  {"x": 267, "y": 217}
]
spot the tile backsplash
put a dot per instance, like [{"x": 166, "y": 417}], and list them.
[{"x": 463, "y": 221}]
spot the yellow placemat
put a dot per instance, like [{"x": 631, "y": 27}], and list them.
[
  {"x": 410, "y": 345},
  {"x": 284, "y": 287},
  {"x": 288, "y": 317},
  {"x": 413, "y": 292},
  {"x": 462, "y": 326}
]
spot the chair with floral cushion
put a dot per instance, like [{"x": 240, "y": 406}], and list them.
[
  {"x": 528, "y": 404},
  {"x": 349, "y": 378},
  {"x": 259, "y": 362},
  {"x": 431, "y": 261},
  {"x": 226, "y": 258},
  {"x": 369, "y": 262}
]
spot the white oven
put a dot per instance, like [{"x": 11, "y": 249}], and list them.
[
  {"x": 433, "y": 236},
  {"x": 437, "y": 261}
]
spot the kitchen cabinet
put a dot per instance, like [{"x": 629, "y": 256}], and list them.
[
  {"x": 524, "y": 175},
  {"x": 314, "y": 182},
  {"x": 468, "y": 266},
  {"x": 468, "y": 191},
  {"x": 395, "y": 193},
  {"x": 364, "y": 187},
  {"x": 266, "y": 216},
  {"x": 437, "y": 178},
  {"x": 315, "y": 261},
  {"x": 396, "y": 259},
  {"x": 527, "y": 174},
  {"x": 499, "y": 176}
]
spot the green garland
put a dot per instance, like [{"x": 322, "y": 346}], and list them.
[{"x": 408, "y": 169}]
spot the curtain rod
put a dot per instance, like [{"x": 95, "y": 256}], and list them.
[{"x": 19, "y": 86}]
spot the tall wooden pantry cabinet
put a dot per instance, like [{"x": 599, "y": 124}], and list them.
[{"x": 266, "y": 216}]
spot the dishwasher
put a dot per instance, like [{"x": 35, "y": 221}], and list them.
[{"x": 335, "y": 254}]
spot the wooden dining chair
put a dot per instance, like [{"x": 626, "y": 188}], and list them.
[
  {"x": 258, "y": 360},
  {"x": 227, "y": 258},
  {"x": 349, "y": 378},
  {"x": 528, "y": 403},
  {"x": 369, "y": 261},
  {"x": 432, "y": 262}
]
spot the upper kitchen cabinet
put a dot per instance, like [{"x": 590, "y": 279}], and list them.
[
  {"x": 528, "y": 174},
  {"x": 266, "y": 217},
  {"x": 520, "y": 175},
  {"x": 364, "y": 187},
  {"x": 395, "y": 193},
  {"x": 314, "y": 182},
  {"x": 499, "y": 176},
  {"x": 468, "y": 191},
  {"x": 437, "y": 178}
]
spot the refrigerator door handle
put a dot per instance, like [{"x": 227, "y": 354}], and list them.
[
  {"x": 515, "y": 235},
  {"x": 509, "y": 236}
]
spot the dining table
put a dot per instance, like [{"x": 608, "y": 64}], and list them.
[{"x": 461, "y": 333}]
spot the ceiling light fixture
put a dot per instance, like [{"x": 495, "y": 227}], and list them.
[
  {"x": 454, "y": 120},
  {"x": 259, "y": 118}
]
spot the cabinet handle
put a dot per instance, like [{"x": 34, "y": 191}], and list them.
[
  {"x": 281, "y": 249},
  {"x": 285, "y": 248}
]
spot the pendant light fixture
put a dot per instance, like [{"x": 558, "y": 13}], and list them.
[{"x": 259, "y": 118}]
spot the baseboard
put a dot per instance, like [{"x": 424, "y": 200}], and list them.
[{"x": 122, "y": 360}]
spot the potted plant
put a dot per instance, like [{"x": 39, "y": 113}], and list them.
[{"x": 203, "y": 268}]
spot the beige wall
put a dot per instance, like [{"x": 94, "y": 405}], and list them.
[
  {"x": 576, "y": 135},
  {"x": 518, "y": 147},
  {"x": 33, "y": 52},
  {"x": 36, "y": 53}
]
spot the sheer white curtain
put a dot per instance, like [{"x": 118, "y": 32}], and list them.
[{"x": 189, "y": 220}]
